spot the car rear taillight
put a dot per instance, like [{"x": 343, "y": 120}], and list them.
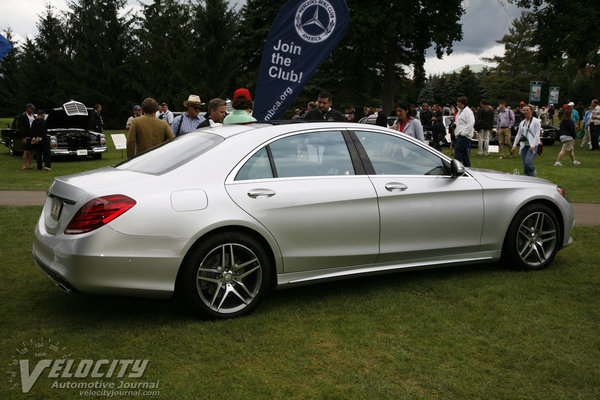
[{"x": 98, "y": 212}]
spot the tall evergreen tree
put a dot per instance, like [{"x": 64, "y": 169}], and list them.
[
  {"x": 517, "y": 67},
  {"x": 11, "y": 102},
  {"x": 98, "y": 43},
  {"x": 167, "y": 61},
  {"x": 215, "y": 25},
  {"x": 50, "y": 59}
]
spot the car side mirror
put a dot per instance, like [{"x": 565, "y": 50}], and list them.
[{"x": 456, "y": 168}]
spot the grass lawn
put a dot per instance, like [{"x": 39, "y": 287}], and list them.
[
  {"x": 480, "y": 332},
  {"x": 582, "y": 182},
  {"x": 12, "y": 178}
]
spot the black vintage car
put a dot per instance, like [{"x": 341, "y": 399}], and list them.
[{"x": 68, "y": 132}]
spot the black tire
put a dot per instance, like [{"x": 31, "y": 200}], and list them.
[
  {"x": 97, "y": 156},
  {"x": 216, "y": 287},
  {"x": 533, "y": 238}
]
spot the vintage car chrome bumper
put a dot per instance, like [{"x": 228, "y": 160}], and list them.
[{"x": 80, "y": 152}]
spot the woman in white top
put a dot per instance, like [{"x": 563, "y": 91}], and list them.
[
  {"x": 528, "y": 136},
  {"x": 407, "y": 124}
]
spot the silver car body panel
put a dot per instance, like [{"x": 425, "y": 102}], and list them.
[{"x": 315, "y": 228}]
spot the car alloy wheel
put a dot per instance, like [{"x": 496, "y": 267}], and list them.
[
  {"x": 227, "y": 276},
  {"x": 533, "y": 238}
]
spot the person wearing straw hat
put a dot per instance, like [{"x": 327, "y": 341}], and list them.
[{"x": 190, "y": 120}]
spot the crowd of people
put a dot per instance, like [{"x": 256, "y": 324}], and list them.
[{"x": 152, "y": 123}]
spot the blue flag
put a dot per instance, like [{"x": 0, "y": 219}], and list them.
[
  {"x": 301, "y": 37},
  {"x": 5, "y": 47}
]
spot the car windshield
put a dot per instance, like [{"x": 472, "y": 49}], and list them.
[{"x": 171, "y": 154}]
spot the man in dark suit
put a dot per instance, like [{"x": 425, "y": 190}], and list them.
[
  {"x": 97, "y": 122},
  {"x": 324, "y": 112},
  {"x": 24, "y": 124}
]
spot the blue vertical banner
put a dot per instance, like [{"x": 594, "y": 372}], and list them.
[
  {"x": 535, "y": 91},
  {"x": 5, "y": 47},
  {"x": 553, "y": 95},
  {"x": 301, "y": 37}
]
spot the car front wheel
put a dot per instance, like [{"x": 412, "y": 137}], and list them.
[
  {"x": 533, "y": 238},
  {"x": 226, "y": 276}
]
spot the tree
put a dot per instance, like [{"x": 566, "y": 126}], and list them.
[
  {"x": 365, "y": 67},
  {"x": 165, "y": 62},
  {"x": 98, "y": 44},
  {"x": 251, "y": 34},
  {"x": 215, "y": 24},
  {"x": 562, "y": 32},
  {"x": 10, "y": 103},
  {"x": 50, "y": 60},
  {"x": 517, "y": 67}
]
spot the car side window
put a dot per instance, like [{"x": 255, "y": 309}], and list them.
[
  {"x": 393, "y": 155},
  {"x": 312, "y": 154},
  {"x": 257, "y": 167},
  {"x": 306, "y": 154}
]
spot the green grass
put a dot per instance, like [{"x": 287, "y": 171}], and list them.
[
  {"x": 5, "y": 122},
  {"x": 457, "y": 333},
  {"x": 582, "y": 182},
  {"x": 12, "y": 178}
]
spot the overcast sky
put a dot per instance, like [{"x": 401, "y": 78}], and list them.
[{"x": 484, "y": 22}]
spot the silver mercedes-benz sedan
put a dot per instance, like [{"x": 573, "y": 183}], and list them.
[{"x": 225, "y": 214}]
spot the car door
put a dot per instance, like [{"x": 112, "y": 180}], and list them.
[
  {"x": 425, "y": 213},
  {"x": 304, "y": 189}
]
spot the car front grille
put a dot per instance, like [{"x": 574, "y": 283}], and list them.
[{"x": 76, "y": 142}]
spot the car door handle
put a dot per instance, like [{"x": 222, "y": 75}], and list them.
[
  {"x": 256, "y": 193},
  {"x": 395, "y": 187}
]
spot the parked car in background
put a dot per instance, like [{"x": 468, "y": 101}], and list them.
[
  {"x": 371, "y": 119},
  {"x": 67, "y": 130},
  {"x": 287, "y": 205}
]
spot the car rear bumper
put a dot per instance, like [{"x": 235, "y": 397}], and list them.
[
  {"x": 136, "y": 266},
  {"x": 81, "y": 152}
]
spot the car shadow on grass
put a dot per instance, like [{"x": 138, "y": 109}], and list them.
[{"x": 80, "y": 309}]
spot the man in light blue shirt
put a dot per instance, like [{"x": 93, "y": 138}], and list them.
[{"x": 190, "y": 120}]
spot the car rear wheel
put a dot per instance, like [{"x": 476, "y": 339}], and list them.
[
  {"x": 533, "y": 238},
  {"x": 226, "y": 276}
]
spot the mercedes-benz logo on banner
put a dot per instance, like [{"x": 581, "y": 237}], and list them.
[{"x": 315, "y": 20}]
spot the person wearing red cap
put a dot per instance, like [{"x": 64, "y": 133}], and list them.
[{"x": 242, "y": 108}]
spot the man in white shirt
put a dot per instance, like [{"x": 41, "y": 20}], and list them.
[
  {"x": 167, "y": 115},
  {"x": 465, "y": 121}
]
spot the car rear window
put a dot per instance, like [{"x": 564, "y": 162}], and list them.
[{"x": 172, "y": 153}]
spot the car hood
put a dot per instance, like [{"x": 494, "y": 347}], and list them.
[
  {"x": 58, "y": 119},
  {"x": 504, "y": 176}
]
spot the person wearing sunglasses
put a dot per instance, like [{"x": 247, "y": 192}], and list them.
[{"x": 189, "y": 120}]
